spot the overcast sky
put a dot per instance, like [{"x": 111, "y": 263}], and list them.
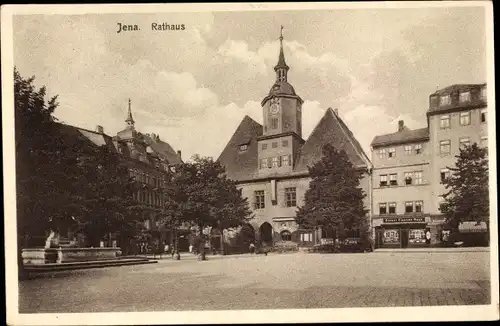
[{"x": 193, "y": 87}]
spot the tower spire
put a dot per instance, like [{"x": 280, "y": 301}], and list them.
[
  {"x": 130, "y": 121},
  {"x": 281, "y": 68}
]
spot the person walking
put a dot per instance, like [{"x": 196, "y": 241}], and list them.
[{"x": 252, "y": 248}]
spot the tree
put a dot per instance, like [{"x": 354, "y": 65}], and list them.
[
  {"x": 105, "y": 202},
  {"x": 467, "y": 188},
  {"x": 334, "y": 199},
  {"x": 201, "y": 194}
]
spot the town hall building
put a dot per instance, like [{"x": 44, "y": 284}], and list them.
[{"x": 270, "y": 162}]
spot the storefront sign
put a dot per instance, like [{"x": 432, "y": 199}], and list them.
[{"x": 404, "y": 220}]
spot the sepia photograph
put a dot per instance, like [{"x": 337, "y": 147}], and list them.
[{"x": 235, "y": 163}]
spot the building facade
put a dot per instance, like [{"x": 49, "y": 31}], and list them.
[
  {"x": 148, "y": 159},
  {"x": 270, "y": 161},
  {"x": 409, "y": 165}
]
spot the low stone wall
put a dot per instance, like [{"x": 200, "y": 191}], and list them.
[{"x": 39, "y": 256}]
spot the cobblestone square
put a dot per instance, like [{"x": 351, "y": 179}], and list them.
[{"x": 276, "y": 281}]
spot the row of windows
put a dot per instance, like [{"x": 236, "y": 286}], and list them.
[
  {"x": 274, "y": 162},
  {"x": 391, "y": 152},
  {"x": 284, "y": 143},
  {"x": 445, "y": 145},
  {"x": 410, "y": 207},
  {"x": 146, "y": 178},
  {"x": 290, "y": 198},
  {"x": 411, "y": 178},
  {"x": 464, "y": 119},
  {"x": 149, "y": 198},
  {"x": 464, "y": 97}
]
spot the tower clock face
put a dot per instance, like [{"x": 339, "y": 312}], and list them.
[{"x": 274, "y": 108}]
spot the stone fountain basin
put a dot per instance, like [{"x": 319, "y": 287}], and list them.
[{"x": 40, "y": 256}]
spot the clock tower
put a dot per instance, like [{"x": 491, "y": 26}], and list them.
[{"x": 282, "y": 127}]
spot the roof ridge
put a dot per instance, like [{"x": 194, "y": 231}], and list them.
[{"x": 352, "y": 138}]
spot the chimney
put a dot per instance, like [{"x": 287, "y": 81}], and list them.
[
  {"x": 179, "y": 153},
  {"x": 99, "y": 129},
  {"x": 401, "y": 125}
]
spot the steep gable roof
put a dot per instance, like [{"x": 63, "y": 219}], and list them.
[
  {"x": 331, "y": 129},
  {"x": 163, "y": 149},
  {"x": 242, "y": 164}
]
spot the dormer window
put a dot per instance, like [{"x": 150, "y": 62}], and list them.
[
  {"x": 484, "y": 93},
  {"x": 445, "y": 100},
  {"x": 243, "y": 147},
  {"x": 464, "y": 97}
]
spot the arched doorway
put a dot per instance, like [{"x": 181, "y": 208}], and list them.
[{"x": 266, "y": 233}]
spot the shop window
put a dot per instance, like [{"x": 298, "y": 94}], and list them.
[
  {"x": 444, "y": 121},
  {"x": 409, "y": 207},
  {"x": 286, "y": 236},
  {"x": 392, "y": 208},
  {"x": 290, "y": 197},
  {"x": 382, "y": 153},
  {"x": 393, "y": 179},
  {"x": 383, "y": 180},
  {"x": 445, "y": 147},
  {"x": 418, "y": 149},
  {"x": 382, "y": 208},
  {"x": 408, "y": 149},
  {"x": 328, "y": 233},
  {"x": 391, "y": 237},
  {"x": 465, "y": 118},
  {"x": 416, "y": 236},
  {"x": 392, "y": 152},
  {"x": 408, "y": 178},
  {"x": 419, "y": 206},
  {"x": 259, "y": 199}
]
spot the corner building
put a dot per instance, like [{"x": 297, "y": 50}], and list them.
[
  {"x": 270, "y": 161},
  {"x": 409, "y": 166}
]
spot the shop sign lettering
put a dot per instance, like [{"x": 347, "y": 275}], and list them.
[{"x": 404, "y": 220}]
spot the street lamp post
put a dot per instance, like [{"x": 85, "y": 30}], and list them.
[{"x": 177, "y": 255}]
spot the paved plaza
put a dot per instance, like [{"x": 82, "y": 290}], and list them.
[{"x": 299, "y": 280}]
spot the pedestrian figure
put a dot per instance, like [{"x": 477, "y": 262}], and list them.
[
  {"x": 252, "y": 248},
  {"x": 190, "y": 248}
]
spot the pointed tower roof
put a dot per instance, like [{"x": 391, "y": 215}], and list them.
[
  {"x": 281, "y": 59},
  {"x": 130, "y": 121}
]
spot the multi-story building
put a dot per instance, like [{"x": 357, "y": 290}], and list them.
[
  {"x": 148, "y": 159},
  {"x": 270, "y": 161},
  {"x": 409, "y": 165}
]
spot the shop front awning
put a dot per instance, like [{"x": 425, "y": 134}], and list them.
[{"x": 472, "y": 226}]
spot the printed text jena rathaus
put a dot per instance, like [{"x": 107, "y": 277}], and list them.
[
  {"x": 154, "y": 26},
  {"x": 167, "y": 27}
]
